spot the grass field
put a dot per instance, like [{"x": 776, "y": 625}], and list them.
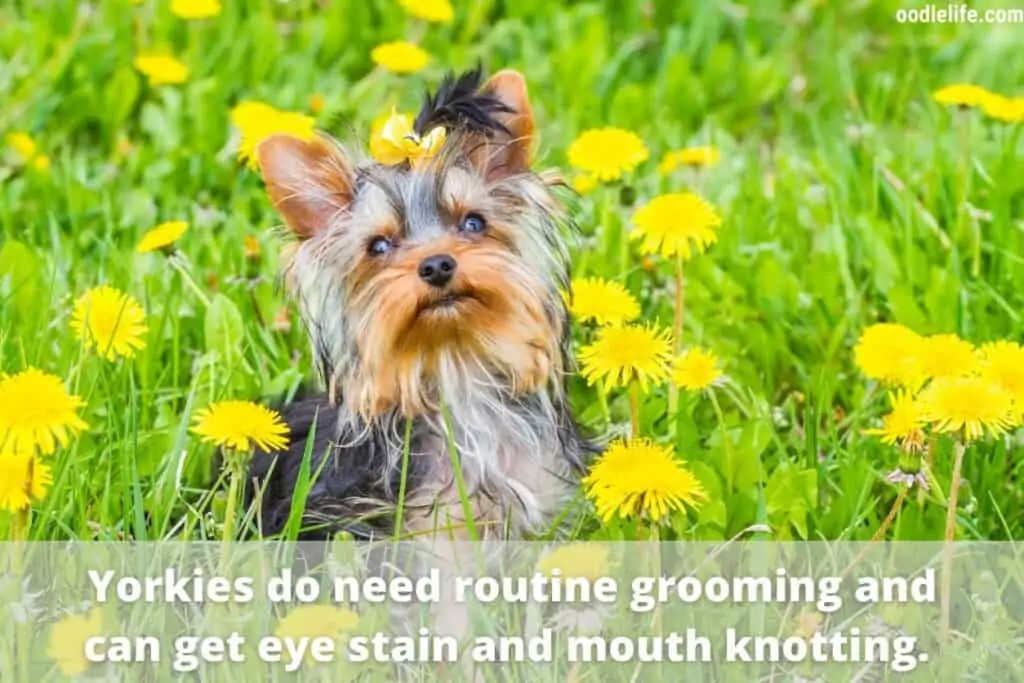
[{"x": 847, "y": 197}]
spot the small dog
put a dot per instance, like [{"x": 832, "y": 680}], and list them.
[{"x": 432, "y": 294}]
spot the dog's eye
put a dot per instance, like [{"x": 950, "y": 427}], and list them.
[
  {"x": 474, "y": 223},
  {"x": 380, "y": 246}
]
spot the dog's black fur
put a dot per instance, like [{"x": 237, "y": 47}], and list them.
[{"x": 347, "y": 483}]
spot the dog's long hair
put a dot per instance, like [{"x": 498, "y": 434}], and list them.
[{"x": 432, "y": 291}]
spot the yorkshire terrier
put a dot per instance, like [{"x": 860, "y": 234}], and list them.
[{"x": 431, "y": 290}]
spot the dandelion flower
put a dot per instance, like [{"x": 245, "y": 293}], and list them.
[
  {"x": 676, "y": 224},
  {"x": 641, "y": 477},
  {"x": 257, "y": 121},
  {"x": 969, "y": 405},
  {"x": 904, "y": 424},
  {"x": 1002, "y": 363},
  {"x": 109, "y": 321},
  {"x": 962, "y": 95},
  {"x": 317, "y": 103},
  {"x": 161, "y": 69},
  {"x": 195, "y": 9},
  {"x": 622, "y": 354},
  {"x": 946, "y": 355},
  {"x": 691, "y": 156},
  {"x": 576, "y": 560},
  {"x": 310, "y": 621},
  {"x": 251, "y": 248},
  {"x": 584, "y": 183},
  {"x": 37, "y": 412},
  {"x": 607, "y": 153},
  {"x": 23, "y": 478},
  {"x": 696, "y": 369},
  {"x": 400, "y": 57},
  {"x": 23, "y": 145},
  {"x": 240, "y": 425},
  {"x": 161, "y": 236},
  {"x": 603, "y": 301},
  {"x": 439, "y": 11},
  {"x": 890, "y": 353},
  {"x": 393, "y": 140},
  {"x": 1008, "y": 109},
  {"x": 68, "y": 636},
  {"x": 249, "y": 112},
  {"x": 41, "y": 163}
]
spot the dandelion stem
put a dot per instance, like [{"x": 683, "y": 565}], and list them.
[
  {"x": 725, "y": 437},
  {"x": 19, "y": 527},
  {"x": 406, "y": 447},
  {"x": 460, "y": 481},
  {"x": 947, "y": 556},
  {"x": 677, "y": 321},
  {"x": 880, "y": 534},
  {"x": 677, "y": 340},
  {"x": 236, "y": 462},
  {"x": 634, "y": 410},
  {"x": 187, "y": 279},
  {"x": 656, "y": 621},
  {"x": 891, "y": 517}
]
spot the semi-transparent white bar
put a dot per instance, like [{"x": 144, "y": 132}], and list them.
[{"x": 440, "y": 610}]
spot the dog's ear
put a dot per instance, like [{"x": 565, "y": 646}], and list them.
[
  {"x": 309, "y": 181},
  {"x": 512, "y": 153}
]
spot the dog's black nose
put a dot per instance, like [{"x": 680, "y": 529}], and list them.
[{"x": 437, "y": 270}]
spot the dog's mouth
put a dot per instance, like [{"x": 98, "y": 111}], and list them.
[{"x": 447, "y": 302}]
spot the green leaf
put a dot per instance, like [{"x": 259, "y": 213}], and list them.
[
  {"x": 120, "y": 95},
  {"x": 20, "y": 275},
  {"x": 224, "y": 329}
]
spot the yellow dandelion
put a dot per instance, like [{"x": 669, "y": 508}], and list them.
[
  {"x": 66, "y": 645},
  {"x": 576, "y": 560},
  {"x": 195, "y": 9},
  {"x": 946, "y": 355},
  {"x": 161, "y": 69},
  {"x": 400, "y": 57},
  {"x": 393, "y": 140},
  {"x": 37, "y": 412},
  {"x": 607, "y": 153},
  {"x": 251, "y": 248},
  {"x": 1002, "y": 363},
  {"x": 968, "y": 405},
  {"x": 249, "y": 112},
  {"x": 676, "y": 224},
  {"x": 621, "y": 354},
  {"x": 23, "y": 478},
  {"x": 584, "y": 183},
  {"x": 23, "y": 145},
  {"x": 311, "y": 621},
  {"x": 641, "y": 478},
  {"x": 1008, "y": 109},
  {"x": 691, "y": 156},
  {"x": 904, "y": 424},
  {"x": 109, "y": 321},
  {"x": 162, "y": 236},
  {"x": 316, "y": 103},
  {"x": 257, "y": 121},
  {"x": 240, "y": 425},
  {"x": 439, "y": 11},
  {"x": 603, "y": 301},
  {"x": 696, "y": 369},
  {"x": 890, "y": 353},
  {"x": 41, "y": 163},
  {"x": 962, "y": 95}
]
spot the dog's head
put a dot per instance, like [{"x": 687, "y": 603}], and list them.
[{"x": 437, "y": 272}]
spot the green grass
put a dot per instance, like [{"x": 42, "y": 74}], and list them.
[{"x": 839, "y": 187}]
